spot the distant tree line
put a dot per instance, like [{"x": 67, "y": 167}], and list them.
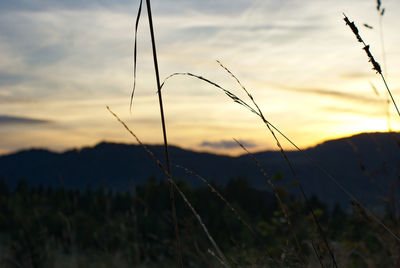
[{"x": 44, "y": 227}]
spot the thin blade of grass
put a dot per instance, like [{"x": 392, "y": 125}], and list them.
[
  {"x": 135, "y": 53},
  {"x": 259, "y": 113},
  {"x": 352, "y": 197},
  {"x": 220, "y": 196},
  {"x": 317, "y": 254},
  {"x": 278, "y": 198},
  {"x": 172, "y": 182},
  {"x": 306, "y": 155},
  {"x": 164, "y": 130},
  {"x": 215, "y": 256},
  {"x": 227, "y": 92},
  {"x": 375, "y": 64},
  {"x": 374, "y": 89},
  {"x": 290, "y": 165},
  {"x": 368, "y": 26}
]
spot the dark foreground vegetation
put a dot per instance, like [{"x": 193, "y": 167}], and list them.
[{"x": 45, "y": 227}]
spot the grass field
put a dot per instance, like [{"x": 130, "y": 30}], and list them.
[{"x": 166, "y": 223}]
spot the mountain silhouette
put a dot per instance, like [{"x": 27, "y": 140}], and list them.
[{"x": 367, "y": 165}]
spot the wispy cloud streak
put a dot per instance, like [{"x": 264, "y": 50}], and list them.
[
  {"x": 226, "y": 144},
  {"x": 348, "y": 96},
  {"x": 20, "y": 120}
]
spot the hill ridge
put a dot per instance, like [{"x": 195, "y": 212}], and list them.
[{"x": 352, "y": 160}]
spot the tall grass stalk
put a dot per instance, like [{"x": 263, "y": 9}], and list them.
[
  {"x": 175, "y": 186},
  {"x": 375, "y": 64},
  {"x": 254, "y": 232},
  {"x": 220, "y": 196},
  {"x": 220, "y": 256},
  {"x": 317, "y": 254},
  {"x": 291, "y": 167},
  {"x": 258, "y": 113},
  {"x": 135, "y": 52},
  {"x": 305, "y": 154},
  {"x": 278, "y": 198},
  {"x": 381, "y": 12},
  {"x": 171, "y": 187}
]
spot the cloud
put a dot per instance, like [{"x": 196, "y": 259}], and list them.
[
  {"x": 374, "y": 112},
  {"x": 226, "y": 144},
  {"x": 357, "y": 75},
  {"x": 24, "y": 5},
  {"x": 336, "y": 94},
  {"x": 19, "y": 120},
  {"x": 10, "y": 79}
]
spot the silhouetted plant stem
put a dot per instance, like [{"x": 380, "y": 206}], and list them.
[
  {"x": 317, "y": 254},
  {"x": 220, "y": 196},
  {"x": 380, "y": 14},
  {"x": 299, "y": 185},
  {"x": 135, "y": 52},
  {"x": 278, "y": 198},
  {"x": 289, "y": 163},
  {"x": 258, "y": 112},
  {"x": 375, "y": 64},
  {"x": 172, "y": 182},
  {"x": 158, "y": 85},
  {"x": 305, "y": 154},
  {"x": 171, "y": 189},
  {"x": 390, "y": 93}
]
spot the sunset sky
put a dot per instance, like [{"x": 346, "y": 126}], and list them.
[{"x": 62, "y": 62}]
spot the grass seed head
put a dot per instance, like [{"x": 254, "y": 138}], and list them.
[
  {"x": 374, "y": 63},
  {"x": 354, "y": 28}
]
